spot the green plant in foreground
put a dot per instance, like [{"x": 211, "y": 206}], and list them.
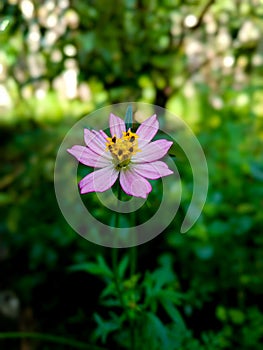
[{"x": 133, "y": 302}]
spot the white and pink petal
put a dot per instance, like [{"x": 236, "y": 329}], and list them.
[
  {"x": 96, "y": 142},
  {"x": 147, "y": 130},
  {"x": 134, "y": 184},
  {"x": 117, "y": 126},
  {"x": 153, "y": 170},
  {"x": 152, "y": 151},
  {"x": 99, "y": 181},
  {"x": 87, "y": 157}
]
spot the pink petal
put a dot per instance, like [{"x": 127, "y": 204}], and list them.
[
  {"x": 153, "y": 170},
  {"x": 96, "y": 142},
  {"x": 86, "y": 156},
  {"x": 117, "y": 126},
  {"x": 152, "y": 151},
  {"x": 103, "y": 135},
  {"x": 133, "y": 184},
  {"x": 99, "y": 180},
  {"x": 147, "y": 130}
]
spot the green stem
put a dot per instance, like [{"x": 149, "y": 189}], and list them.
[
  {"x": 133, "y": 263},
  {"x": 115, "y": 257},
  {"x": 116, "y": 276},
  {"x": 133, "y": 249},
  {"x": 49, "y": 338},
  {"x": 133, "y": 260},
  {"x": 133, "y": 266}
]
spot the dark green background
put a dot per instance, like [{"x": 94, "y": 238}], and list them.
[{"x": 201, "y": 290}]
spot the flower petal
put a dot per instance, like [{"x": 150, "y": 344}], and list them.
[
  {"x": 117, "y": 126},
  {"x": 134, "y": 184},
  {"x": 95, "y": 141},
  {"x": 147, "y": 130},
  {"x": 152, "y": 151},
  {"x": 153, "y": 170},
  {"x": 104, "y": 136},
  {"x": 87, "y": 157},
  {"x": 99, "y": 181}
]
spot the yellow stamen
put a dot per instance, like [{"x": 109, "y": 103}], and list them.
[{"x": 122, "y": 149}]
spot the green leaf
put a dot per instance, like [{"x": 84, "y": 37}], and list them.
[
  {"x": 128, "y": 118},
  {"x": 158, "y": 329},
  {"x": 173, "y": 150},
  {"x": 172, "y": 312},
  {"x": 105, "y": 327},
  {"x": 123, "y": 266},
  {"x": 237, "y": 316},
  {"x": 110, "y": 289},
  {"x": 98, "y": 268},
  {"x": 103, "y": 265},
  {"x": 111, "y": 302},
  {"x": 171, "y": 295}
]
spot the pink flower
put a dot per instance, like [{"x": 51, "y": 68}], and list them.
[{"x": 132, "y": 156}]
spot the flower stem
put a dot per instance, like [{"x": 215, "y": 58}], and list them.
[
  {"x": 115, "y": 256},
  {"x": 133, "y": 266},
  {"x": 133, "y": 249},
  {"x": 116, "y": 276},
  {"x": 133, "y": 259}
]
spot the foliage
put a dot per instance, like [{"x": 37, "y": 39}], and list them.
[{"x": 201, "y": 290}]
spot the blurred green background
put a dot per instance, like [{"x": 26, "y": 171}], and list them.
[{"x": 202, "y": 60}]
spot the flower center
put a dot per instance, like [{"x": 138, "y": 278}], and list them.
[{"x": 122, "y": 149}]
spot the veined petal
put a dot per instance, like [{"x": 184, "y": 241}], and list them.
[
  {"x": 101, "y": 137},
  {"x": 99, "y": 181},
  {"x": 152, "y": 151},
  {"x": 117, "y": 126},
  {"x": 87, "y": 157},
  {"x": 134, "y": 184},
  {"x": 147, "y": 130},
  {"x": 104, "y": 136},
  {"x": 153, "y": 170},
  {"x": 94, "y": 140}
]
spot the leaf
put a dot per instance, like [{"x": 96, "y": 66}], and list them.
[
  {"x": 128, "y": 118},
  {"x": 123, "y": 266},
  {"x": 98, "y": 268},
  {"x": 171, "y": 295},
  {"x": 110, "y": 289},
  {"x": 105, "y": 327},
  {"x": 103, "y": 265},
  {"x": 111, "y": 303},
  {"x": 162, "y": 276},
  {"x": 158, "y": 329},
  {"x": 172, "y": 312},
  {"x": 173, "y": 150},
  {"x": 237, "y": 316},
  {"x": 5, "y": 24},
  {"x": 256, "y": 171}
]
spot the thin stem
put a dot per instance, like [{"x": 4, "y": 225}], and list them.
[
  {"x": 133, "y": 266},
  {"x": 117, "y": 281},
  {"x": 116, "y": 276},
  {"x": 133, "y": 249},
  {"x": 50, "y": 338},
  {"x": 133, "y": 260},
  {"x": 115, "y": 256}
]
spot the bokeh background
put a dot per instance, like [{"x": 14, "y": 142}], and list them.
[{"x": 203, "y": 61}]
